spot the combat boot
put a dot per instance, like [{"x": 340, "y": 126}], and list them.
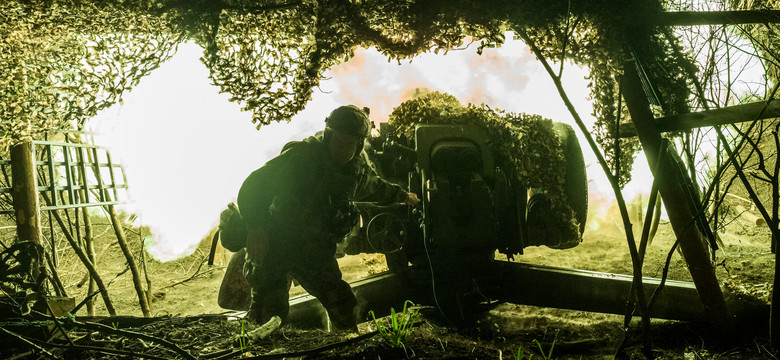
[
  {"x": 342, "y": 319},
  {"x": 267, "y": 305},
  {"x": 340, "y": 306}
]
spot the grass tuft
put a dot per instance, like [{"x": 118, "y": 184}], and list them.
[{"x": 394, "y": 333}]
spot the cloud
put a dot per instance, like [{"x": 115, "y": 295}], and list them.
[{"x": 495, "y": 77}]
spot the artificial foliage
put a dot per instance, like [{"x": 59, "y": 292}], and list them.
[
  {"x": 527, "y": 143},
  {"x": 64, "y": 60},
  {"x": 267, "y": 61},
  {"x": 606, "y": 38},
  {"x": 765, "y": 37}
]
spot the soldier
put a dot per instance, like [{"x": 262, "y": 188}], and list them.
[{"x": 297, "y": 207}]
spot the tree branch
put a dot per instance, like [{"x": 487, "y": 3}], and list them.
[
  {"x": 28, "y": 342},
  {"x": 612, "y": 180},
  {"x": 100, "y": 327},
  {"x": 83, "y": 257}
]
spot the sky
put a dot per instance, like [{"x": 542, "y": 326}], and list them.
[{"x": 186, "y": 149}]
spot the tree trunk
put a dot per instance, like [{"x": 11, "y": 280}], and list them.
[
  {"x": 25, "y": 196},
  {"x": 25, "y": 192},
  {"x": 724, "y": 116},
  {"x": 120, "y": 235}
]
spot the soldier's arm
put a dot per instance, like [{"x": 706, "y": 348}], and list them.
[{"x": 372, "y": 188}]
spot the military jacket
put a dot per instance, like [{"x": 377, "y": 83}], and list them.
[{"x": 302, "y": 193}]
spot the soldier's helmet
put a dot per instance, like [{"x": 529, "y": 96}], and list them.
[{"x": 349, "y": 119}]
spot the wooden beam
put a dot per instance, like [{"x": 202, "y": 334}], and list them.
[
  {"x": 723, "y": 116},
  {"x": 508, "y": 282},
  {"x": 693, "y": 18},
  {"x": 675, "y": 189}
]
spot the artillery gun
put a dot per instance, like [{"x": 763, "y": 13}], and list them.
[{"x": 474, "y": 206}]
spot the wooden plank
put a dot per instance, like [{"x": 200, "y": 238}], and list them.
[
  {"x": 69, "y": 144},
  {"x": 675, "y": 189},
  {"x": 693, "y": 18},
  {"x": 510, "y": 282},
  {"x": 71, "y": 206},
  {"x": 723, "y": 116},
  {"x": 96, "y": 170},
  {"x": 78, "y": 206},
  {"x": 83, "y": 171},
  {"x": 69, "y": 176},
  {"x": 111, "y": 175},
  {"x": 51, "y": 168}
]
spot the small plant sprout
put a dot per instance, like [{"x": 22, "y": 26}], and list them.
[
  {"x": 400, "y": 325},
  {"x": 519, "y": 354},
  {"x": 546, "y": 356},
  {"x": 242, "y": 336}
]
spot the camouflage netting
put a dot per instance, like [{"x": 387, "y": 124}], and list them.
[
  {"x": 526, "y": 141},
  {"x": 765, "y": 37},
  {"x": 271, "y": 60},
  {"x": 63, "y": 60}
]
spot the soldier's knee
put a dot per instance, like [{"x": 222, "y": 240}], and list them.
[
  {"x": 268, "y": 303},
  {"x": 340, "y": 304},
  {"x": 341, "y": 295}
]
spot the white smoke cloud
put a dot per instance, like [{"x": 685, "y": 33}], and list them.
[{"x": 186, "y": 149}]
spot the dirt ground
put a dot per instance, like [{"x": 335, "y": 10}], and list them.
[{"x": 185, "y": 289}]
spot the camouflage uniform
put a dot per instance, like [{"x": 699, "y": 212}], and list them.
[{"x": 301, "y": 200}]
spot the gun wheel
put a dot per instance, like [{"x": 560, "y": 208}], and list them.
[{"x": 386, "y": 233}]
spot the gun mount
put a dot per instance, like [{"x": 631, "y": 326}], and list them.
[
  {"x": 442, "y": 251},
  {"x": 472, "y": 205}
]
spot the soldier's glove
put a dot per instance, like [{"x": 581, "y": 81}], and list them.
[
  {"x": 344, "y": 221},
  {"x": 232, "y": 230}
]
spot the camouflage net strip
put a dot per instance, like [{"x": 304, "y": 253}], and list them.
[
  {"x": 62, "y": 62},
  {"x": 527, "y": 142}
]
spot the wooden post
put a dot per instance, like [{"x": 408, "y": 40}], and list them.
[
  {"x": 25, "y": 192},
  {"x": 675, "y": 192},
  {"x": 774, "y": 312}
]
